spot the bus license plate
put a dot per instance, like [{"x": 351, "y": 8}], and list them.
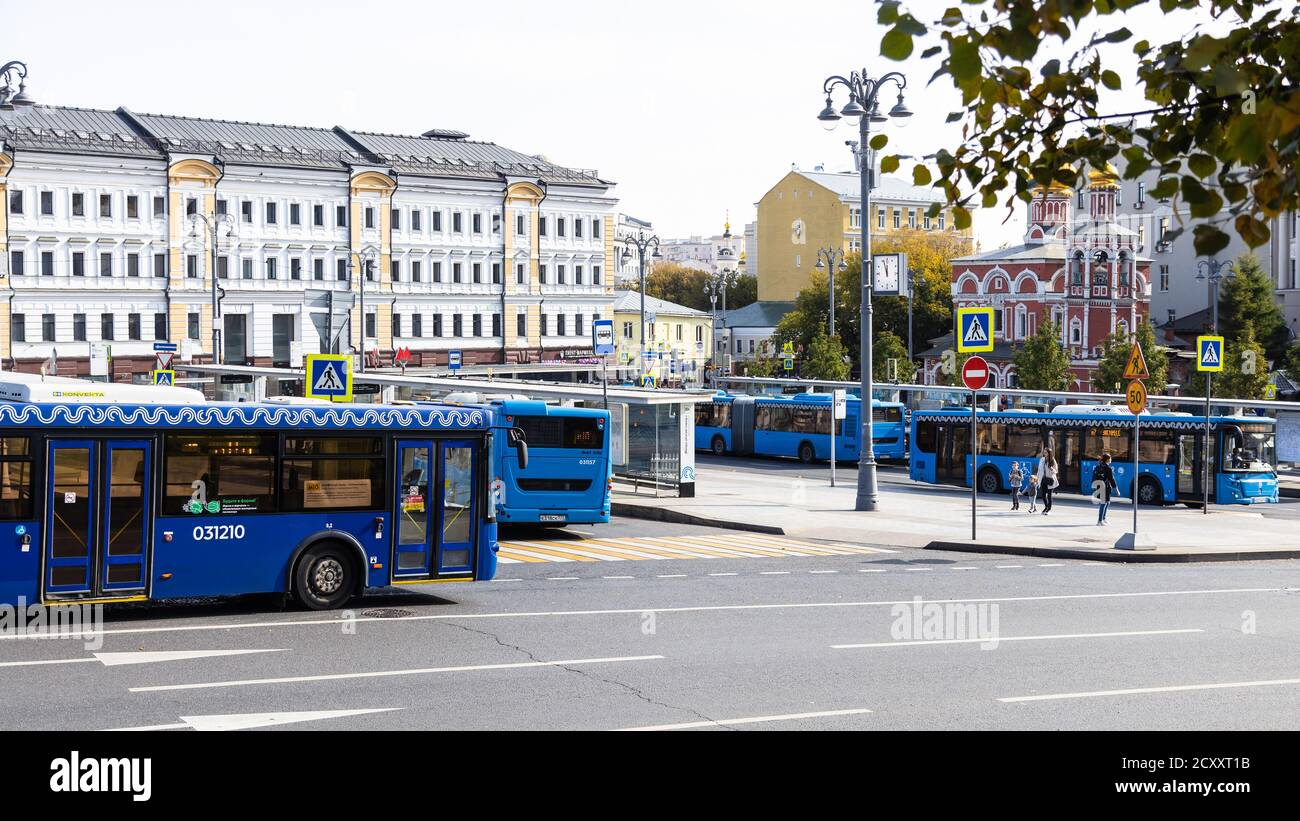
[{"x": 551, "y": 517}]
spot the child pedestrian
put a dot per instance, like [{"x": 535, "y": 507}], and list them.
[
  {"x": 1032, "y": 493},
  {"x": 1015, "y": 479}
]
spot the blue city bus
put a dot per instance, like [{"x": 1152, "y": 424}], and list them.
[
  {"x": 1171, "y": 452},
  {"x": 115, "y": 502},
  {"x": 568, "y": 477},
  {"x": 797, "y": 425}
]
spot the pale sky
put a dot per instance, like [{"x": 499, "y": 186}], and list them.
[{"x": 693, "y": 108}]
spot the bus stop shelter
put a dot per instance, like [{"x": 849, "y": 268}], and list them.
[{"x": 652, "y": 437}]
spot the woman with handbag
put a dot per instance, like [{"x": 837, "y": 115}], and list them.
[{"x": 1046, "y": 473}]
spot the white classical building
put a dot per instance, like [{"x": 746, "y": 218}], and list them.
[
  {"x": 107, "y": 221},
  {"x": 628, "y": 270}
]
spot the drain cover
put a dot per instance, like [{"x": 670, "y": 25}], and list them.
[{"x": 386, "y": 613}]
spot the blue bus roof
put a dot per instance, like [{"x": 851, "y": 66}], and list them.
[
  {"x": 1085, "y": 420},
  {"x": 245, "y": 415},
  {"x": 805, "y": 399},
  {"x": 533, "y": 407}
]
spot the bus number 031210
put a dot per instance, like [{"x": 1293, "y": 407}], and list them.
[{"x": 210, "y": 533}]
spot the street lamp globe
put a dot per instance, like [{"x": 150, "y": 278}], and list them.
[{"x": 852, "y": 109}]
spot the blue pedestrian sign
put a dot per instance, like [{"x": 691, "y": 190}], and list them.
[
  {"x": 974, "y": 330},
  {"x": 167, "y": 378},
  {"x": 453, "y": 360},
  {"x": 602, "y": 337},
  {"x": 1209, "y": 353},
  {"x": 329, "y": 376}
]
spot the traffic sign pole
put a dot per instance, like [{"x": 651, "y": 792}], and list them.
[
  {"x": 1209, "y": 359},
  {"x": 974, "y": 462}
]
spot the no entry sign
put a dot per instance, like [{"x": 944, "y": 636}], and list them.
[{"x": 975, "y": 373}]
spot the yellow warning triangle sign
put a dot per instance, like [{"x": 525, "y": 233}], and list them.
[{"x": 1137, "y": 364}]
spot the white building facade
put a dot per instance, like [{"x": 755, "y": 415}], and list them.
[{"x": 326, "y": 239}]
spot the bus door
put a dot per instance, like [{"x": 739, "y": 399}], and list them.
[
  {"x": 951, "y": 452},
  {"x": 435, "y": 509},
  {"x": 97, "y": 517},
  {"x": 1191, "y": 465},
  {"x": 1069, "y": 457}
]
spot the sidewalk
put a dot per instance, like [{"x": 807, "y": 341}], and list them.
[{"x": 938, "y": 517}]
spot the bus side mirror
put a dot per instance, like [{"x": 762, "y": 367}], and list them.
[{"x": 517, "y": 441}]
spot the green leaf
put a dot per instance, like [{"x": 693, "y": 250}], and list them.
[
  {"x": 1211, "y": 205},
  {"x": 889, "y": 164},
  {"x": 1208, "y": 240},
  {"x": 896, "y": 44},
  {"x": 920, "y": 175},
  {"x": 1051, "y": 68},
  {"x": 879, "y": 141},
  {"x": 1110, "y": 80},
  {"x": 964, "y": 62},
  {"x": 1202, "y": 165},
  {"x": 1117, "y": 36},
  {"x": 960, "y": 218}
]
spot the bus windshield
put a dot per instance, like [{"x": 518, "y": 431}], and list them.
[{"x": 1250, "y": 448}]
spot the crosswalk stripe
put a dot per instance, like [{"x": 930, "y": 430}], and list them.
[{"x": 695, "y": 546}]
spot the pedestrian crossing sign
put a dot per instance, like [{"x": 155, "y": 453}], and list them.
[
  {"x": 974, "y": 330},
  {"x": 329, "y": 376},
  {"x": 1209, "y": 353},
  {"x": 167, "y": 377}
]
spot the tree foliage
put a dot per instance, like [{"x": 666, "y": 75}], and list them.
[
  {"x": 1245, "y": 370},
  {"x": 1041, "y": 363},
  {"x": 824, "y": 358},
  {"x": 1222, "y": 127},
  {"x": 885, "y": 347},
  {"x": 1114, "y": 359},
  {"x": 1246, "y": 298}
]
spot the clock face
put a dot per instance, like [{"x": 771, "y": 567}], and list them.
[{"x": 886, "y": 273}]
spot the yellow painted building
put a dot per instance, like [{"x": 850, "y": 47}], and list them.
[
  {"x": 674, "y": 333},
  {"x": 809, "y": 210}
]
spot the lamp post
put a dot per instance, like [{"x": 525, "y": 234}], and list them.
[
  {"x": 826, "y": 259},
  {"x": 366, "y": 261},
  {"x": 643, "y": 245},
  {"x": 864, "y": 104},
  {"x": 716, "y": 286},
  {"x": 14, "y": 70},
  {"x": 212, "y": 224},
  {"x": 1210, "y": 270}
]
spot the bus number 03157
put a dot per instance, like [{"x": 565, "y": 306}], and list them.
[{"x": 218, "y": 532}]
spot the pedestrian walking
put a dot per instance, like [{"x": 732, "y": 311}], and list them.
[
  {"x": 1032, "y": 493},
  {"x": 1047, "y": 470},
  {"x": 1015, "y": 479},
  {"x": 1105, "y": 474}
]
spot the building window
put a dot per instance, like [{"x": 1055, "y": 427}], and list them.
[
  {"x": 340, "y": 216},
  {"x": 78, "y": 264},
  {"x": 78, "y": 327},
  {"x": 476, "y": 223},
  {"x": 133, "y": 207},
  {"x": 926, "y": 223},
  {"x": 699, "y": 333},
  {"x": 295, "y": 268},
  {"x": 1164, "y": 277},
  {"x": 106, "y": 206},
  {"x": 595, "y": 228},
  {"x": 478, "y": 325},
  {"x": 47, "y": 203},
  {"x": 192, "y": 266},
  {"x": 437, "y": 324},
  {"x": 318, "y": 215},
  {"x": 246, "y": 269},
  {"x": 370, "y": 217},
  {"x": 456, "y": 227},
  {"x": 47, "y": 263},
  {"x": 543, "y": 329},
  {"x": 435, "y": 221},
  {"x": 577, "y": 228},
  {"x": 521, "y": 225},
  {"x": 559, "y": 229},
  {"x": 559, "y": 325},
  {"x": 16, "y": 263},
  {"x": 416, "y": 274},
  {"x": 541, "y": 226},
  {"x": 911, "y": 218},
  {"x": 941, "y": 219},
  {"x": 270, "y": 268},
  {"x": 246, "y": 210},
  {"x": 478, "y": 272},
  {"x": 106, "y": 264},
  {"x": 223, "y": 206},
  {"x": 521, "y": 325},
  {"x": 541, "y": 278},
  {"x": 318, "y": 269},
  {"x": 496, "y": 273},
  {"x": 456, "y": 325},
  {"x": 133, "y": 327},
  {"x": 559, "y": 274},
  {"x": 396, "y": 218},
  {"x": 496, "y": 324},
  {"x": 341, "y": 270},
  {"x": 106, "y": 327},
  {"x": 191, "y": 206},
  {"x": 371, "y": 321},
  {"x": 1076, "y": 332},
  {"x": 397, "y": 325},
  {"x": 437, "y": 272},
  {"x": 78, "y": 204},
  {"x": 627, "y": 330},
  {"x": 415, "y": 219},
  {"x": 159, "y": 207},
  {"x": 455, "y": 274},
  {"x": 18, "y": 325},
  {"x": 47, "y": 328},
  {"x": 160, "y": 326},
  {"x": 133, "y": 265},
  {"x": 396, "y": 267},
  {"x": 521, "y": 273},
  {"x": 295, "y": 214},
  {"x": 577, "y": 275},
  {"x": 595, "y": 275},
  {"x": 192, "y": 326},
  {"x": 15, "y": 202},
  {"x": 417, "y": 325}
]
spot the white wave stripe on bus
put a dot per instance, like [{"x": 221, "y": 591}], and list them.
[
  {"x": 247, "y": 416},
  {"x": 647, "y": 548}
]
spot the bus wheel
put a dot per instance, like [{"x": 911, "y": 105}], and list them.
[
  {"x": 1149, "y": 492},
  {"x": 324, "y": 579},
  {"x": 718, "y": 446},
  {"x": 989, "y": 481},
  {"x": 806, "y": 453}
]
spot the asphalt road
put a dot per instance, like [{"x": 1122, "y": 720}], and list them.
[{"x": 816, "y": 642}]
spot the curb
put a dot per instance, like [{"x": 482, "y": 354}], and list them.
[
  {"x": 663, "y": 514},
  {"x": 1122, "y": 556}
]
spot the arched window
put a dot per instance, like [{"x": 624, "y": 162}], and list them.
[
  {"x": 1076, "y": 332},
  {"x": 1076, "y": 270},
  {"x": 1022, "y": 322},
  {"x": 1100, "y": 274},
  {"x": 1122, "y": 328}
]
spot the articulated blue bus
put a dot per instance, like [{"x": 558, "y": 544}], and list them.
[
  {"x": 1171, "y": 458},
  {"x": 797, "y": 425},
  {"x": 113, "y": 502},
  {"x": 567, "y": 477}
]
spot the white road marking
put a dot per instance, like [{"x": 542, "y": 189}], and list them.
[
  {"x": 1000, "y": 639},
  {"x": 184, "y": 628},
  {"x": 963, "y": 568},
  {"x": 1051, "y": 565},
  {"x": 872, "y": 570},
  {"x": 618, "y": 577},
  {"x": 822, "y": 572},
  {"x": 729, "y": 722},
  {"x": 140, "y": 657},
  {"x": 671, "y": 576},
  {"x": 507, "y": 580},
  {"x": 919, "y": 569},
  {"x": 1178, "y": 688},
  {"x": 1009, "y": 566},
  {"x": 723, "y": 574},
  {"x": 468, "y": 668},
  {"x": 245, "y": 721},
  {"x": 774, "y": 573},
  {"x": 562, "y": 578}
]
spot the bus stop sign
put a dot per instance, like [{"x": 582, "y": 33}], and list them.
[{"x": 975, "y": 373}]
